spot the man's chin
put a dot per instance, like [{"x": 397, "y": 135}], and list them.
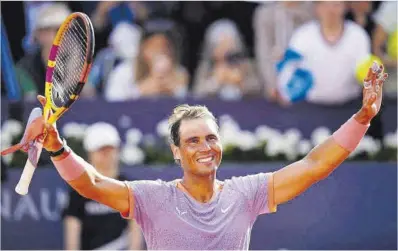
[{"x": 206, "y": 170}]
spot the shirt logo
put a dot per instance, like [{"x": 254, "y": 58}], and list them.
[{"x": 224, "y": 210}]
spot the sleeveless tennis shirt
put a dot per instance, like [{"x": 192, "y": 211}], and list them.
[{"x": 172, "y": 219}]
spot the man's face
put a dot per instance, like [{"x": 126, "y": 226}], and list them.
[
  {"x": 105, "y": 158},
  {"x": 154, "y": 46},
  {"x": 330, "y": 11},
  {"x": 45, "y": 36},
  {"x": 361, "y": 6},
  {"x": 200, "y": 149},
  {"x": 223, "y": 47}
]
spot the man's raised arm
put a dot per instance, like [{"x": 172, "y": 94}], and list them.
[
  {"x": 82, "y": 176},
  {"x": 322, "y": 160}
]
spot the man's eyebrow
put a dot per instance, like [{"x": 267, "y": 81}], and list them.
[{"x": 212, "y": 134}]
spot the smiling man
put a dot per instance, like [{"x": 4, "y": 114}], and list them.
[{"x": 198, "y": 211}]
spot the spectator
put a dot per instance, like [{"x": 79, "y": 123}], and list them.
[
  {"x": 30, "y": 11},
  {"x": 112, "y": 12},
  {"x": 386, "y": 25},
  {"x": 123, "y": 47},
  {"x": 156, "y": 72},
  {"x": 225, "y": 69},
  {"x": 360, "y": 13},
  {"x": 89, "y": 225},
  {"x": 106, "y": 15},
  {"x": 274, "y": 24},
  {"x": 31, "y": 69},
  {"x": 331, "y": 49}
]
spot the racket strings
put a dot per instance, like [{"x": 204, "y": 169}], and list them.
[
  {"x": 70, "y": 62},
  {"x": 76, "y": 58}
]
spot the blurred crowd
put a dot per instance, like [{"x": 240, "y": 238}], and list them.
[{"x": 226, "y": 50}]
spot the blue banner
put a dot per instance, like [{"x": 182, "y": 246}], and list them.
[
  {"x": 354, "y": 208},
  {"x": 145, "y": 114}
]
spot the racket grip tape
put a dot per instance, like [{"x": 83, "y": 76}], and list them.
[{"x": 22, "y": 187}]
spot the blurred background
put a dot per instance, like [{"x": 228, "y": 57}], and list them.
[{"x": 279, "y": 76}]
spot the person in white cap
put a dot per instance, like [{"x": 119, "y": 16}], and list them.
[
  {"x": 31, "y": 69},
  {"x": 102, "y": 142},
  {"x": 87, "y": 223}
]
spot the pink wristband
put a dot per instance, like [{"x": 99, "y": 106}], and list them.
[
  {"x": 350, "y": 134},
  {"x": 71, "y": 167}
]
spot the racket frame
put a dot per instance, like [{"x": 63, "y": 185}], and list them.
[{"x": 52, "y": 112}]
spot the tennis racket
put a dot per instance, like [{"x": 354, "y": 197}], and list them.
[{"x": 68, "y": 67}]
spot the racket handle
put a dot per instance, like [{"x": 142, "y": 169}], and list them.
[{"x": 22, "y": 187}]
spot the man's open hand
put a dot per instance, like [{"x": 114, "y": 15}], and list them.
[{"x": 372, "y": 94}]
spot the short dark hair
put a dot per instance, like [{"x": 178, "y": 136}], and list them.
[{"x": 186, "y": 112}]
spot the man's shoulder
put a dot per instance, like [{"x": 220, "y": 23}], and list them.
[
  {"x": 355, "y": 28},
  {"x": 245, "y": 181},
  {"x": 152, "y": 184},
  {"x": 152, "y": 191},
  {"x": 309, "y": 27},
  {"x": 306, "y": 33}
]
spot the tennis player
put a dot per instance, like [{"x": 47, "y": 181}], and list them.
[{"x": 198, "y": 211}]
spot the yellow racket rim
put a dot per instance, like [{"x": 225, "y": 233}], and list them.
[{"x": 51, "y": 111}]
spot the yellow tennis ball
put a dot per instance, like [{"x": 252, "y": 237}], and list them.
[
  {"x": 363, "y": 67},
  {"x": 392, "y": 45}
]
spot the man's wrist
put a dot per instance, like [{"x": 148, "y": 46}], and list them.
[
  {"x": 58, "y": 146},
  {"x": 362, "y": 118},
  {"x": 62, "y": 155},
  {"x": 63, "y": 148}
]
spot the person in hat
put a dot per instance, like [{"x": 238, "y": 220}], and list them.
[
  {"x": 31, "y": 69},
  {"x": 225, "y": 70},
  {"x": 88, "y": 224}
]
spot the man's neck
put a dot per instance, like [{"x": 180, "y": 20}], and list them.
[
  {"x": 332, "y": 31},
  {"x": 200, "y": 188},
  {"x": 360, "y": 18}
]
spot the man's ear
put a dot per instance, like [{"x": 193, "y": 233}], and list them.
[{"x": 176, "y": 152}]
